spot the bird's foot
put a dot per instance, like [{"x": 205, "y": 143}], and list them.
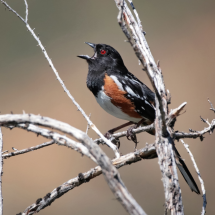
[
  {"x": 108, "y": 135},
  {"x": 132, "y": 136},
  {"x": 115, "y": 141}
]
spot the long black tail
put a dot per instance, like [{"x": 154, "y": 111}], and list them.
[{"x": 186, "y": 173}]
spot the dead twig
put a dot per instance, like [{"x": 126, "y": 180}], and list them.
[
  {"x": 30, "y": 149},
  {"x": 147, "y": 152},
  {"x": 199, "y": 176},
  {"x": 93, "y": 151}
]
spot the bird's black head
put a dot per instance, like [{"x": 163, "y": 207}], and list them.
[{"x": 104, "y": 56}]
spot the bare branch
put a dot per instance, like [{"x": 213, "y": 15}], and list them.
[
  {"x": 11, "y": 9},
  {"x": 137, "y": 16},
  {"x": 194, "y": 134},
  {"x": 108, "y": 142},
  {"x": 88, "y": 127},
  {"x": 212, "y": 107},
  {"x": 164, "y": 141},
  {"x": 147, "y": 152},
  {"x": 110, "y": 173},
  {"x": 123, "y": 133},
  {"x": 1, "y": 172},
  {"x": 169, "y": 120},
  {"x": 4, "y": 152},
  {"x": 30, "y": 149},
  {"x": 166, "y": 160},
  {"x": 26, "y": 12},
  {"x": 199, "y": 176},
  {"x": 58, "y": 138}
]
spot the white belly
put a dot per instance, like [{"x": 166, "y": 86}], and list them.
[{"x": 105, "y": 102}]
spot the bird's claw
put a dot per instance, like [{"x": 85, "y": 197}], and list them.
[
  {"x": 108, "y": 135},
  {"x": 115, "y": 141},
  {"x": 132, "y": 136}
]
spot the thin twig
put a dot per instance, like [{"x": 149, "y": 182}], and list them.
[
  {"x": 1, "y": 173},
  {"x": 14, "y": 149},
  {"x": 137, "y": 16},
  {"x": 199, "y": 176},
  {"x": 26, "y": 12},
  {"x": 212, "y": 107},
  {"x": 108, "y": 142},
  {"x": 178, "y": 135},
  {"x": 88, "y": 127},
  {"x": 147, "y": 152},
  {"x": 58, "y": 138},
  {"x": 4, "y": 152},
  {"x": 30, "y": 149}
]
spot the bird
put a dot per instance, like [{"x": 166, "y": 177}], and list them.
[{"x": 124, "y": 96}]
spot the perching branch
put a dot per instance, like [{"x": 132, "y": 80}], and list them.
[
  {"x": 30, "y": 149},
  {"x": 147, "y": 152},
  {"x": 169, "y": 120},
  {"x": 108, "y": 142}
]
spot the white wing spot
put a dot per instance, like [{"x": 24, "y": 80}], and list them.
[
  {"x": 129, "y": 90},
  {"x": 117, "y": 82}
]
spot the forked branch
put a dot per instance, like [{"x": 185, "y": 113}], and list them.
[
  {"x": 108, "y": 142},
  {"x": 110, "y": 173},
  {"x": 147, "y": 152}
]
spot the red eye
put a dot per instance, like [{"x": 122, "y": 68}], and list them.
[{"x": 102, "y": 51}]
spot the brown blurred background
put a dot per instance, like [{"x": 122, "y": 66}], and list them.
[{"x": 181, "y": 35}]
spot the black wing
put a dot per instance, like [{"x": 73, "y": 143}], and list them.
[{"x": 141, "y": 96}]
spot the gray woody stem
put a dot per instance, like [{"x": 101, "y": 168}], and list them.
[
  {"x": 30, "y": 149},
  {"x": 109, "y": 171},
  {"x": 108, "y": 142},
  {"x": 1, "y": 172},
  {"x": 163, "y": 140},
  {"x": 146, "y": 153},
  {"x": 199, "y": 176}
]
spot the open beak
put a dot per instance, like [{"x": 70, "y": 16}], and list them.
[
  {"x": 91, "y": 44},
  {"x": 86, "y": 57}
]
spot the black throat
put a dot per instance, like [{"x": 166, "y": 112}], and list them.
[{"x": 95, "y": 79}]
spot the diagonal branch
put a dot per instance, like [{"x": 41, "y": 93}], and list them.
[
  {"x": 108, "y": 142},
  {"x": 30, "y": 149},
  {"x": 164, "y": 141},
  {"x": 147, "y": 152},
  {"x": 199, "y": 176},
  {"x": 110, "y": 173}
]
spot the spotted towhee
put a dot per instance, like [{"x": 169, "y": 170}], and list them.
[{"x": 124, "y": 96}]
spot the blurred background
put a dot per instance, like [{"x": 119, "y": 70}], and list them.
[{"x": 181, "y": 34}]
